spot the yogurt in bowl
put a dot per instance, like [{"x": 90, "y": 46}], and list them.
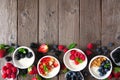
[
  {"x": 23, "y": 57},
  {"x": 100, "y": 67},
  {"x": 75, "y": 59}
]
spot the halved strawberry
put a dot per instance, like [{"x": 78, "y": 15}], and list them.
[{"x": 76, "y": 62}]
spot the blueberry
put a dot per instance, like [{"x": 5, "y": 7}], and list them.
[
  {"x": 8, "y": 58},
  {"x": 73, "y": 77},
  {"x": 106, "y": 70},
  {"x": 29, "y": 55},
  {"x": 55, "y": 46},
  {"x": 110, "y": 44},
  {"x": 104, "y": 48},
  {"x": 103, "y": 63},
  {"x": 101, "y": 74},
  {"x": 22, "y": 55}
]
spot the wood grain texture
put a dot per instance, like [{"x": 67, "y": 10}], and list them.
[
  {"x": 68, "y": 24},
  {"x": 27, "y": 21},
  {"x": 8, "y": 24},
  {"x": 48, "y": 21},
  {"x": 68, "y": 21},
  {"x": 90, "y": 22},
  {"x": 27, "y": 24},
  {"x": 111, "y": 22}
]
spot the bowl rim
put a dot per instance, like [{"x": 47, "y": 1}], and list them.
[
  {"x": 15, "y": 53},
  {"x": 39, "y": 63},
  {"x": 79, "y": 69},
  {"x": 118, "y": 64},
  {"x": 91, "y": 62},
  {"x": 75, "y": 71}
]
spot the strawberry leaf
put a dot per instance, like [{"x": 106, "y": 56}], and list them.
[
  {"x": 79, "y": 60},
  {"x": 72, "y": 45},
  {"x": 2, "y": 46},
  {"x": 22, "y": 50},
  {"x": 117, "y": 69},
  {"x": 38, "y": 77}
]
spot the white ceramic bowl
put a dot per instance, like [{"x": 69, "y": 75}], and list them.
[
  {"x": 118, "y": 64},
  {"x": 94, "y": 71},
  {"x": 54, "y": 71},
  {"x": 69, "y": 63},
  {"x": 24, "y": 62}
]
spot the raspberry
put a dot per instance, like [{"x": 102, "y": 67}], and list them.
[
  {"x": 4, "y": 75},
  {"x": 9, "y": 65},
  {"x": 72, "y": 57},
  {"x": 65, "y": 50},
  {"x": 8, "y": 71},
  {"x": 72, "y": 52},
  {"x": 14, "y": 70},
  {"x": 4, "y": 68},
  {"x": 82, "y": 57},
  {"x": 88, "y": 52},
  {"x": 60, "y": 47},
  {"x": 90, "y": 46},
  {"x": 13, "y": 76},
  {"x": 77, "y": 54}
]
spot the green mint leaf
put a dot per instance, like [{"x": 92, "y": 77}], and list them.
[
  {"x": 10, "y": 50},
  {"x": 117, "y": 69},
  {"x": 72, "y": 45},
  {"x": 22, "y": 50},
  {"x": 45, "y": 68},
  {"x": 38, "y": 77},
  {"x": 79, "y": 60}
]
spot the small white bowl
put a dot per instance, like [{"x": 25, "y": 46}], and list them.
[
  {"x": 51, "y": 74},
  {"x": 24, "y": 62},
  {"x": 94, "y": 72},
  {"x": 118, "y": 64},
  {"x": 70, "y": 65}
]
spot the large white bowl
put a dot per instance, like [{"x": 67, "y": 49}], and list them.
[
  {"x": 94, "y": 73},
  {"x": 51, "y": 74},
  {"x": 24, "y": 62},
  {"x": 118, "y": 64},
  {"x": 69, "y": 63}
]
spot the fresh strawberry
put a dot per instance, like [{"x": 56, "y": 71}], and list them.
[
  {"x": 72, "y": 52},
  {"x": 14, "y": 69},
  {"x": 72, "y": 57},
  {"x": 116, "y": 75},
  {"x": 13, "y": 76},
  {"x": 65, "y": 50},
  {"x": 4, "y": 75},
  {"x": 32, "y": 70},
  {"x": 2, "y": 53},
  {"x": 43, "y": 48},
  {"x": 8, "y": 71},
  {"x": 63, "y": 68},
  {"x": 60, "y": 47},
  {"x": 55, "y": 64},
  {"x": 90, "y": 46},
  {"x": 110, "y": 76},
  {"x": 88, "y": 52}
]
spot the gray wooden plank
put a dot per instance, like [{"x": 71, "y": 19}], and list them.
[
  {"x": 27, "y": 24},
  {"x": 90, "y": 24},
  {"x": 27, "y": 21},
  {"x": 68, "y": 24},
  {"x": 48, "y": 21},
  {"x": 110, "y": 22},
  {"x": 8, "y": 24}
]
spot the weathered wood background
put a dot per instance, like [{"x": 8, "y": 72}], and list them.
[{"x": 59, "y": 22}]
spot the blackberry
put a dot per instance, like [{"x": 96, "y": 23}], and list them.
[
  {"x": 34, "y": 45},
  {"x": 17, "y": 56},
  {"x": 23, "y": 71},
  {"x": 29, "y": 55},
  {"x": 8, "y": 58},
  {"x": 22, "y": 55}
]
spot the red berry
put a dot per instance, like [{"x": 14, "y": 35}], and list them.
[
  {"x": 14, "y": 69},
  {"x": 4, "y": 75},
  {"x": 65, "y": 50},
  {"x": 8, "y": 71},
  {"x": 9, "y": 65},
  {"x": 82, "y": 57},
  {"x": 34, "y": 78},
  {"x": 77, "y": 54},
  {"x": 76, "y": 62},
  {"x": 60, "y": 47},
  {"x": 110, "y": 76},
  {"x": 116, "y": 75},
  {"x": 43, "y": 48},
  {"x": 4, "y": 68},
  {"x": 9, "y": 76},
  {"x": 72, "y": 52},
  {"x": 88, "y": 52},
  {"x": 13, "y": 76},
  {"x": 2, "y": 53},
  {"x": 72, "y": 57},
  {"x": 90, "y": 46}
]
